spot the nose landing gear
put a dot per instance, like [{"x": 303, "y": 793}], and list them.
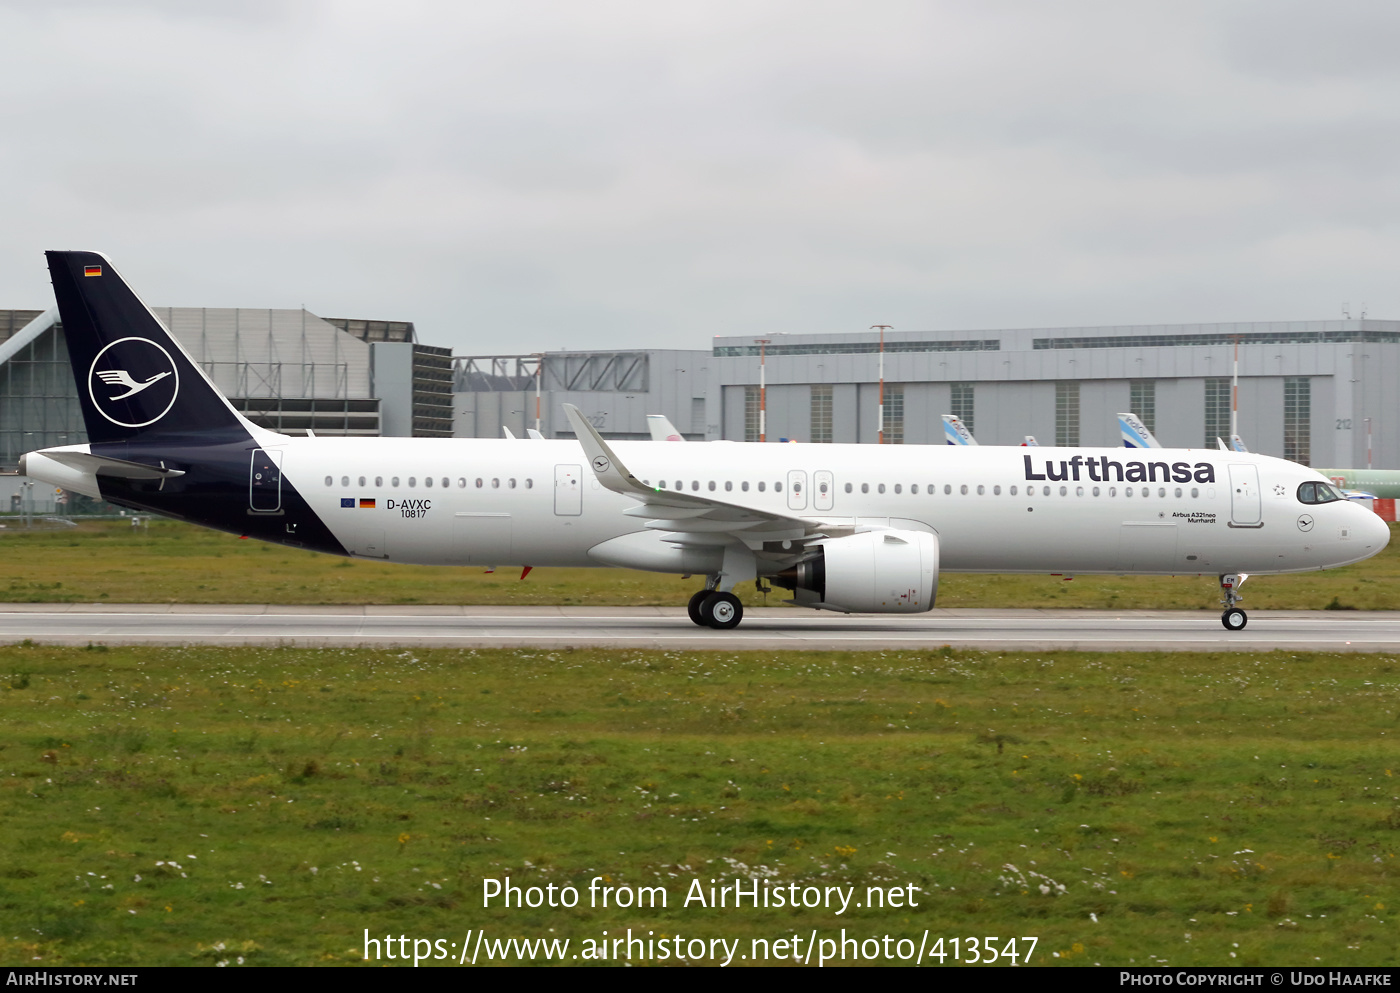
[{"x": 1233, "y": 617}]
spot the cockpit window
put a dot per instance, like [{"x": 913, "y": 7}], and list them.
[{"x": 1314, "y": 492}]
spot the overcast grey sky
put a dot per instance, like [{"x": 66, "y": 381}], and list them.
[{"x": 526, "y": 175}]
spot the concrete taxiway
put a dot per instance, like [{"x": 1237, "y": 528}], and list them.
[{"x": 669, "y": 628}]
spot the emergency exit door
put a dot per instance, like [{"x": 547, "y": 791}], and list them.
[
  {"x": 568, "y": 490},
  {"x": 797, "y": 489}
]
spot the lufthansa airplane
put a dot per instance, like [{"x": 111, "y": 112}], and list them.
[{"x": 854, "y": 528}]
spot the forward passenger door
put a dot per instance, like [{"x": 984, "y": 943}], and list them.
[{"x": 1245, "y": 508}]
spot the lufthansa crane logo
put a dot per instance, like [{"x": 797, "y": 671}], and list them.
[
  {"x": 601, "y": 463},
  {"x": 133, "y": 382}
]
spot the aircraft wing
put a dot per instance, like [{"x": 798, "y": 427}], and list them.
[{"x": 686, "y": 513}]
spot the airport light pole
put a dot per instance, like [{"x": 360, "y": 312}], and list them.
[
  {"x": 763, "y": 387},
  {"x": 880, "y": 419},
  {"x": 1235, "y": 395},
  {"x": 539, "y": 374}
]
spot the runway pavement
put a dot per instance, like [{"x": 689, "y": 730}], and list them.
[{"x": 669, "y": 628}]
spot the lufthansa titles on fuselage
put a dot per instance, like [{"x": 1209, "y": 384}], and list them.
[{"x": 1124, "y": 472}]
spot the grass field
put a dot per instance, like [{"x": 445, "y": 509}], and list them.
[
  {"x": 185, "y": 806},
  {"x": 174, "y": 562}
]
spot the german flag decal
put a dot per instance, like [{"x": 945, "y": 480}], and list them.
[
  {"x": 92, "y": 270},
  {"x": 366, "y": 503}
]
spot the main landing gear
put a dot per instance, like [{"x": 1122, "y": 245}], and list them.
[
  {"x": 1233, "y": 618},
  {"x": 711, "y": 608}
]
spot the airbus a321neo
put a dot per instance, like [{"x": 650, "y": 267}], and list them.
[{"x": 856, "y": 528}]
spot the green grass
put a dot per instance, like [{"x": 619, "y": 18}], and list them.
[
  {"x": 180, "y": 563},
  {"x": 276, "y": 803}
]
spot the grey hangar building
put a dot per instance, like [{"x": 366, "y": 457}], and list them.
[{"x": 1308, "y": 390}]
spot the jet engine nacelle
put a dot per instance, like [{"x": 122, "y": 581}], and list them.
[{"x": 873, "y": 572}]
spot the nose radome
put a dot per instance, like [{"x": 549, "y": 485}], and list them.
[
  {"x": 1373, "y": 532},
  {"x": 1377, "y": 530}
]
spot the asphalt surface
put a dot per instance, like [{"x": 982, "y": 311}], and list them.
[{"x": 669, "y": 628}]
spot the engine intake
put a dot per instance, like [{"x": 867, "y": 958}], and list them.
[{"x": 873, "y": 572}]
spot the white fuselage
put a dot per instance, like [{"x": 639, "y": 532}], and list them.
[{"x": 538, "y": 503}]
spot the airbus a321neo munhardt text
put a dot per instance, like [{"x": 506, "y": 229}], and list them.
[{"x": 857, "y": 528}]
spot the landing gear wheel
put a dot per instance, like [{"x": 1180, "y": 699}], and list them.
[
  {"x": 1234, "y": 619},
  {"x": 722, "y": 611},
  {"x": 695, "y": 608}
]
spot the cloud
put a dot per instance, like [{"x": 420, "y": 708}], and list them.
[{"x": 616, "y": 174}]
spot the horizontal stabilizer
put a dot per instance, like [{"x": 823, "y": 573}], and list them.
[{"x": 103, "y": 465}]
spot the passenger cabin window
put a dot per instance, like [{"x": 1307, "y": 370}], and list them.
[{"x": 1313, "y": 492}]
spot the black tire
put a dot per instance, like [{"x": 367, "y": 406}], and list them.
[
  {"x": 695, "y": 608},
  {"x": 723, "y": 611},
  {"x": 1234, "y": 619}
]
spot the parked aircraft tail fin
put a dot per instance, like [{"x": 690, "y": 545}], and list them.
[
  {"x": 955, "y": 432},
  {"x": 1135, "y": 433},
  {"x": 662, "y": 429}
]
